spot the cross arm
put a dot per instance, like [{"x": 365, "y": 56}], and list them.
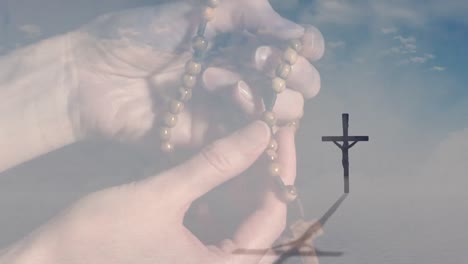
[
  {"x": 336, "y": 143},
  {"x": 349, "y": 138},
  {"x": 332, "y": 139},
  {"x": 352, "y": 144}
]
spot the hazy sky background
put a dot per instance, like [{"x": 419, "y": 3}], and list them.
[{"x": 398, "y": 67}]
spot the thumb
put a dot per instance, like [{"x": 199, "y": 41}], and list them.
[{"x": 220, "y": 161}]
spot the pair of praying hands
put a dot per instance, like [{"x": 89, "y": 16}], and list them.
[{"x": 119, "y": 69}]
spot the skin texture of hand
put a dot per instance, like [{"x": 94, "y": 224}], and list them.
[
  {"x": 112, "y": 77},
  {"x": 126, "y": 64},
  {"x": 120, "y": 68},
  {"x": 142, "y": 222}
]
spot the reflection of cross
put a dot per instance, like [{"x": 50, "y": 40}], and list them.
[
  {"x": 303, "y": 232},
  {"x": 345, "y": 147}
]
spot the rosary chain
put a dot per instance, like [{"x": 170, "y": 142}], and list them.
[
  {"x": 193, "y": 68},
  {"x": 278, "y": 85}
]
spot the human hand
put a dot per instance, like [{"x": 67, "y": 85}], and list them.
[
  {"x": 126, "y": 64},
  {"x": 142, "y": 222}
]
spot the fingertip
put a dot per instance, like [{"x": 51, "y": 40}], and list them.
[{"x": 313, "y": 43}]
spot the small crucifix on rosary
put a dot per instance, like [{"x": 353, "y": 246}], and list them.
[{"x": 345, "y": 147}]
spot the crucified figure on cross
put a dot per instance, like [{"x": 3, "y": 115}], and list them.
[{"x": 345, "y": 146}]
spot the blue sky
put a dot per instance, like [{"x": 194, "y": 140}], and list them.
[{"x": 403, "y": 41}]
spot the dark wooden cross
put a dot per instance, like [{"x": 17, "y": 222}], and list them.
[{"x": 345, "y": 147}]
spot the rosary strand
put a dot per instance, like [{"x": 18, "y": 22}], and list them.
[
  {"x": 278, "y": 85},
  {"x": 193, "y": 68}
]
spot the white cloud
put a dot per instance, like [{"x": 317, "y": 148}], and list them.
[
  {"x": 421, "y": 59},
  {"x": 30, "y": 30},
  {"x": 418, "y": 59},
  {"x": 406, "y": 49},
  {"x": 407, "y": 45},
  {"x": 438, "y": 68},
  {"x": 429, "y": 56},
  {"x": 405, "y": 40},
  {"x": 410, "y": 47},
  {"x": 389, "y": 30}
]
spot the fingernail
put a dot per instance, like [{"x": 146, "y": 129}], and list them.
[
  {"x": 314, "y": 44},
  {"x": 244, "y": 90},
  {"x": 261, "y": 56}
]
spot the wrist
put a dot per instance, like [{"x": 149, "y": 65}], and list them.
[
  {"x": 35, "y": 87},
  {"x": 56, "y": 122}
]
